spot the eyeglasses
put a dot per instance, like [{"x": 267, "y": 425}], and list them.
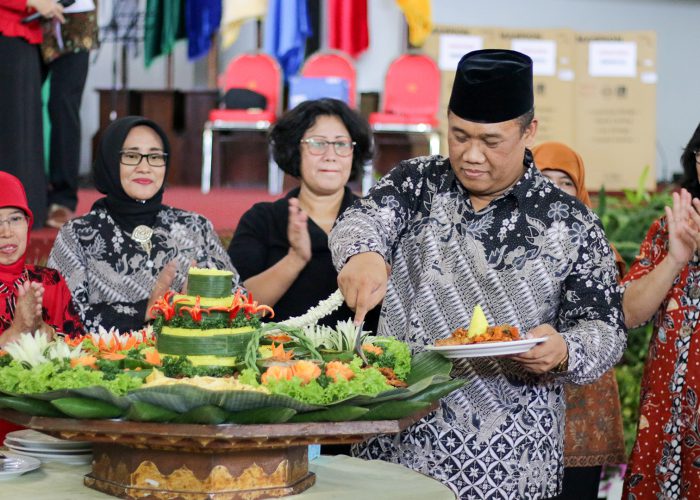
[
  {"x": 14, "y": 221},
  {"x": 133, "y": 158},
  {"x": 320, "y": 146}
]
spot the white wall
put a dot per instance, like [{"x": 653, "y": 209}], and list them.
[{"x": 675, "y": 22}]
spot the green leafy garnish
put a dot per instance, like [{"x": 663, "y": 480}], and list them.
[
  {"x": 395, "y": 355},
  {"x": 54, "y": 375}
]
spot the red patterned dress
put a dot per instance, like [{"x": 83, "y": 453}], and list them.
[
  {"x": 665, "y": 460},
  {"x": 58, "y": 310}
]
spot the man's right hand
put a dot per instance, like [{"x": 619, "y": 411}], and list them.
[{"x": 363, "y": 281}]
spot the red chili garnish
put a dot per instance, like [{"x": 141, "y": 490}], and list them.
[
  {"x": 195, "y": 311},
  {"x": 251, "y": 307},
  {"x": 233, "y": 309},
  {"x": 164, "y": 306}
]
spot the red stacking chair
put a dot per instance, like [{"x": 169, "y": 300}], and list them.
[
  {"x": 333, "y": 63},
  {"x": 258, "y": 72},
  {"x": 411, "y": 99}
]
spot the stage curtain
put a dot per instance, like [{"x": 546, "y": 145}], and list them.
[
  {"x": 347, "y": 26},
  {"x": 286, "y": 29},
  {"x": 164, "y": 24},
  {"x": 236, "y": 13},
  {"x": 202, "y": 20},
  {"x": 419, "y": 18}
]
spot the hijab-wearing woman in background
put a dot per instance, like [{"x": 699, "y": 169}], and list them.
[
  {"x": 593, "y": 430},
  {"x": 130, "y": 249},
  {"x": 663, "y": 285},
  {"x": 281, "y": 248},
  {"x": 32, "y": 298}
]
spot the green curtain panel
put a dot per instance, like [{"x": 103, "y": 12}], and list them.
[{"x": 164, "y": 25}]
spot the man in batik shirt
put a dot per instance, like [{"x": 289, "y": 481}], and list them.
[{"x": 485, "y": 227}]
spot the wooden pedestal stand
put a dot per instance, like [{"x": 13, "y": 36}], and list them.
[{"x": 138, "y": 460}]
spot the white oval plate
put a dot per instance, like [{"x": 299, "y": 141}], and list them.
[
  {"x": 484, "y": 349},
  {"x": 82, "y": 458},
  {"x": 30, "y": 438},
  {"x": 47, "y": 450},
  {"x": 21, "y": 464}
]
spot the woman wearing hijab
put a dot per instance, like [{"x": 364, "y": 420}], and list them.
[
  {"x": 130, "y": 249},
  {"x": 32, "y": 298},
  {"x": 593, "y": 431}
]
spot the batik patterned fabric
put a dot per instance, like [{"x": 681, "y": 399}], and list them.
[
  {"x": 111, "y": 276},
  {"x": 78, "y": 33},
  {"x": 534, "y": 255},
  {"x": 665, "y": 460},
  {"x": 593, "y": 433}
]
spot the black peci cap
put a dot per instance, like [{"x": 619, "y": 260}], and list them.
[{"x": 492, "y": 86}]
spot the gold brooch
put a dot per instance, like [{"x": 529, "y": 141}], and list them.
[{"x": 142, "y": 235}]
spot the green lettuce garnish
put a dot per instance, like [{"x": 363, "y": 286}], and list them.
[
  {"x": 55, "y": 375},
  {"x": 396, "y": 355},
  {"x": 323, "y": 391}
]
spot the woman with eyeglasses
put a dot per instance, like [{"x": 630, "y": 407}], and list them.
[
  {"x": 663, "y": 286},
  {"x": 281, "y": 248},
  {"x": 130, "y": 249},
  {"x": 32, "y": 298}
]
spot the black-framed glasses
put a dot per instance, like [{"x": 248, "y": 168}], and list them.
[
  {"x": 14, "y": 221},
  {"x": 133, "y": 158},
  {"x": 320, "y": 146}
]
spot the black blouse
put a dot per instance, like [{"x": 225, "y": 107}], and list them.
[{"x": 260, "y": 241}]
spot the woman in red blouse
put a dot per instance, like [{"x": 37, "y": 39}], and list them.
[
  {"x": 664, "y": 285},
  {"x": 21, "y": 138},
  {"x": 32, "y": 298}
]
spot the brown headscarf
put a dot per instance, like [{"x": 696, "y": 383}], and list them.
[{"x": 558, "y": 156}]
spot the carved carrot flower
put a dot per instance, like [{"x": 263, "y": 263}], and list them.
[{"x": 279, "y": 354}]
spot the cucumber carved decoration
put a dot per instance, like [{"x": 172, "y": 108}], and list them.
[{"x": 185, "y": 374}]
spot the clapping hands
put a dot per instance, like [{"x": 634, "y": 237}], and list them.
[
  {"x": 163, "y": 283},
  {"x": 298, "y": 232},
  {"x": 683, "y": 227},
  {"x": 28, "y": 313},
  {"x": 30, "y": 297}
]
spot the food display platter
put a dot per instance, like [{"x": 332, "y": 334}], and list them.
[
  {"x": 196, "y": 462},
  {"x": 486, "y": 349}
]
